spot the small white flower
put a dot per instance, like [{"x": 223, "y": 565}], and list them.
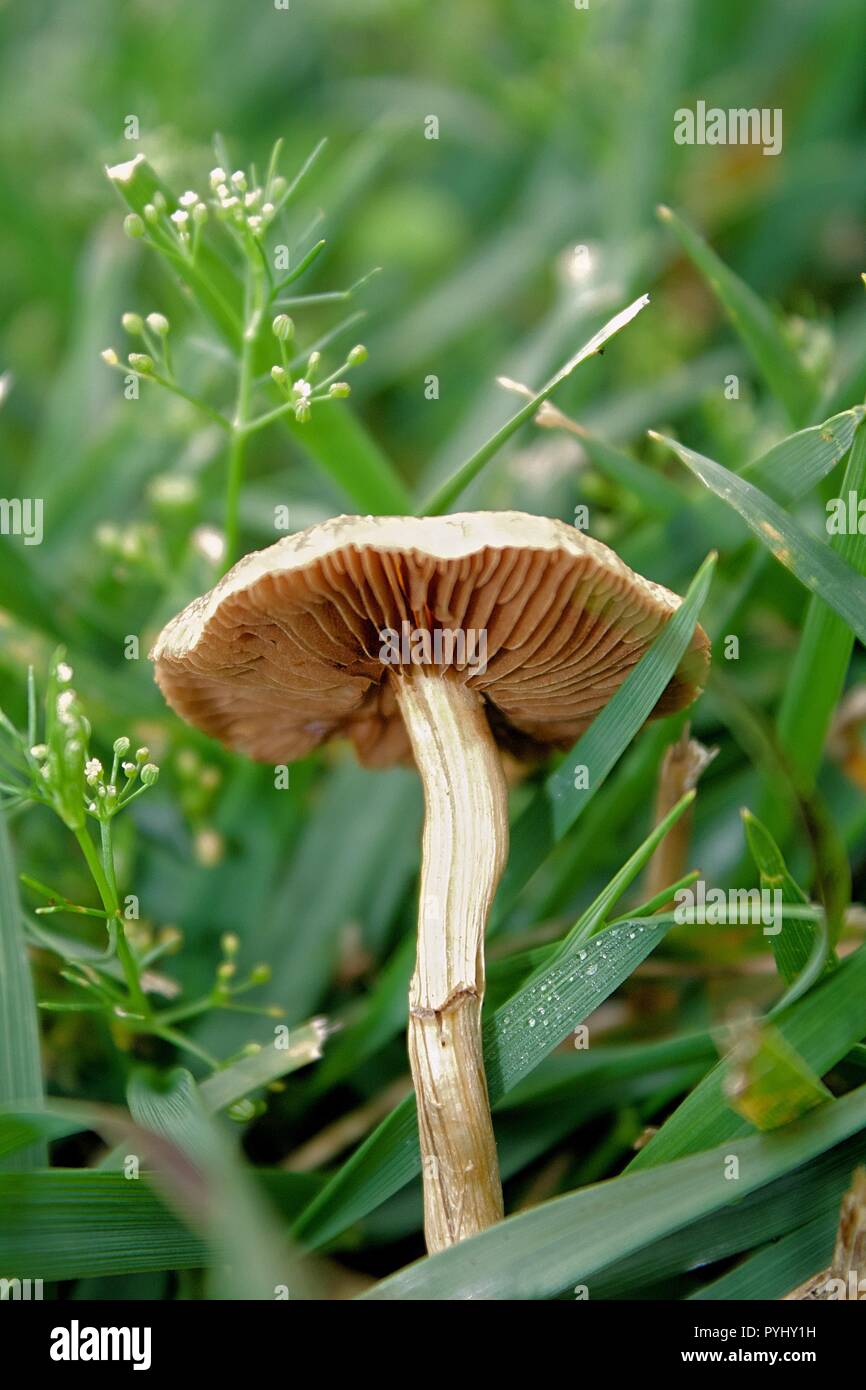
[
  {"x": 109, "y": 356},
  {"x": 251, "y": 198},
  {"x": 64, "y": 672},
  {"x": 209, "y": 542},
  {"x": 302, "y": 389},
  {"x": 217, "y": 176},
  {"x": 188, "y": 199},
  {"x": 180, "y": 218},
  {"x": 268, "y": 211},
  {"x": 65, "y": 701},
  {"x": 92, "y": 771},
  {"x": 239, "y": 179},
  {"x": 39, "y": 751}
]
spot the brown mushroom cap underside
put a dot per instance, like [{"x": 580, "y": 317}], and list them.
[{"x": 284, "y": 653}]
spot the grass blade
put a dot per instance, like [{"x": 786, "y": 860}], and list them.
[
  {"x": 543, "y": 1251},
  {"x": 247, "y": 1074},
  {"x": 451, "y": 489},
  {"x": 819, "y": 568},
  {"x": 516, "y": 1039},
  {"x": 762, "y": 336},
  {"x": 20, "y": 1063}
]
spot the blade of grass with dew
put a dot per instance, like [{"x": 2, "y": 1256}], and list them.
[
  {"x": 451, "y": 489},
  {"x": 540, "y": 1252},
  {"x": 762, "y": 335},
  {"x": 556, "y": 807},
  {"x": 817, "y": 567},
  {"x": 516, "y": 1039},
  {"x": 822, "y": 1026},
  {"x": 20, "y": 1061}
]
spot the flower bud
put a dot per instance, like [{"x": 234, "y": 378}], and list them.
[
  {"x": 133, "y": 225},
  {"x": 149, "y": 774},
  {"x": 150, "y": 213},
  {"x": 340, "y": 389},
  {"x": 283, "y": 328},
  {"x": 239, "y": 180},
  {"x": 158, "y": 323},
  {"x": 358, "y": 355},
  {"x": 217, "y": 176},
  {"x": 141, "y": 362},
  {"x": 132, "y": 323},
  {"x": 199, "y": 214},
  {"x": 242, "y": 1110},
  {"x": 109, "y": 356},
  {"x": 279, "y": 375},
  {"x": 121, "y": 746}
]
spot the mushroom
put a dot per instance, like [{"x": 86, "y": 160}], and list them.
[{"x": 439, "y": 638}]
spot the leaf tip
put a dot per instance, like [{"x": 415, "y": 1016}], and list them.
[{"x": 123, "y": 173}]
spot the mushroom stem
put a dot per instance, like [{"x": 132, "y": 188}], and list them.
[{"x": 465, "y": 847}]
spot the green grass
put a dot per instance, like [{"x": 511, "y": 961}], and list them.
[{"x": 706, "y": 442}]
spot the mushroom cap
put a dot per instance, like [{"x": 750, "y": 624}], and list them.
[{"x": 287, "y": 650}]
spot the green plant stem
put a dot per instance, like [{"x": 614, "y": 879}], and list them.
[
  {"x": 254, "y": 299},
  {"x": 112, "y": 911}
]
